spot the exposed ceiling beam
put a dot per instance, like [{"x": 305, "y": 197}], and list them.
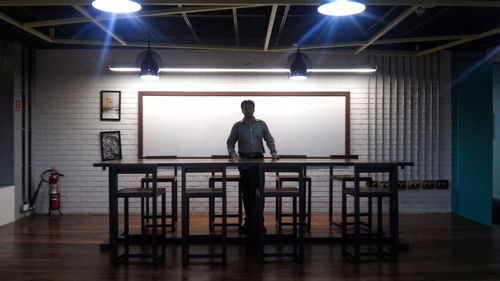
[
  {"x": 305, "y": 48},
  {"x": 379, "y": 42},
  {"x": 461, "y": 41},
  {"x": 282, "y": 24},
  {"x": 272, "y": 17},
  {"x": 387, "y": 28},
  {"x": 158, "y": 13},
  {"x": 102, "y": 27},
  {"x": 216, "y": 48},
  {"x": 190, "y": 26},
  {"x": 17, "y": 24},
  {"x": 463, "y": 3},
  {"x": 379, "y": 20},
  {"x": 235, "y": 23}
]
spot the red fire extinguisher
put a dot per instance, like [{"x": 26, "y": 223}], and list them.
[{"x": 54, "y": 194}]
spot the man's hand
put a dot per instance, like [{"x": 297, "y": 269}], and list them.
[
  {"x": 236, "y": 157},
  {"x": 275, "y": 156}
]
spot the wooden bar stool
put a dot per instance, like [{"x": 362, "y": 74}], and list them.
[
  {"x": 209, "y": 193},
  {"x": 155, "y": 239},
  {"x": 280, "y": 179},
  {"x": 298, "y": 215},
  {"x": 145, "y": 207},
  {"x": 344, "y": 179},
  {"x": 211, "y": 210},
  {"x": 352, "y": 236}
]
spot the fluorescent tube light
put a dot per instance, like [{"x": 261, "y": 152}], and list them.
[{"x": 246, "y": 70}]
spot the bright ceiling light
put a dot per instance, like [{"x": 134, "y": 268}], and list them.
[
  {"x": 117, "y": 6},
  {"x": 341, "y": 8},
  {"x": 243, "y": 70}
]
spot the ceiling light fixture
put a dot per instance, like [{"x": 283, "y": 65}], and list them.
[
  {"x": 244, "y": 70},
  {"x": 149, "y": 68},
  {"x": 298, "y": 67},
  {"x": 117, "y": 6},
  {"x": 341, "y": 8}
]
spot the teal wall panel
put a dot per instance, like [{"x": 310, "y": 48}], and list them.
[
  {"x": 472, "y": 136},
  {"x": 496, "y": 137}
]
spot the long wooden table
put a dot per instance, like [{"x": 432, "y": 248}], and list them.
[{"x": 263, "y": 164}]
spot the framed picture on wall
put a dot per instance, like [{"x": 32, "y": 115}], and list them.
[
  {"x": 111, "y": 146},
  {"x": 110, "y": 105}
]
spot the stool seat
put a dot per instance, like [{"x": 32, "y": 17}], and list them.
[
  {"x": 369, "y": 191},
  {"x": 232, "y": 178},
  {"x": 139, "y": 192},
  {"x": 291, "y": 178},
  {"x": 204, "y": 192},
  {"x": 160, "y": 178},
  {"x": 348, "y": 178},
  {"x": 282, "y": 191}
]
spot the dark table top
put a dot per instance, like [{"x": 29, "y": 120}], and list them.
[{"x": 187, "y": 161}]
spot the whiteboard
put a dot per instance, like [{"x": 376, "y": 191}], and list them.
[{"x": 198, "y": 124}]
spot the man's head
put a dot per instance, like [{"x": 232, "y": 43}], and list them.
[{"x": 248, "y": 108}]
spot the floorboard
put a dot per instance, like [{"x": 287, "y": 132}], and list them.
[{"x": 66, "y": 247}]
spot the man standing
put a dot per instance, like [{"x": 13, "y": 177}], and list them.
[{"x": 249, "y": 133}]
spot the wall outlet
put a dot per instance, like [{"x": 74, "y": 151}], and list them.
[{"x": 25, "y": 207}]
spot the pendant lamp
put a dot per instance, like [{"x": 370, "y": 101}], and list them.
[
  {"x": 117, "y": 6},
  {"x": 148, "y": 61},
  {"x": 341, "y": 7},
  {"x": 298, "y": 67}
]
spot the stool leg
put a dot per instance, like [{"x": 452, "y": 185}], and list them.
[
  {"x": 174, "y": 205},
  {"x": 279, "y": 206},
  {"x": 344, "y": 223},
  {"x": 309, "y": 206},
  {"x": 126, "y": 228},
  {"x": 357, "y": 240},
  {"x": 302, "y": 214},
  {"x": 370, "y": 214},
  {"x": 330, "y": 201},
  {"x": 164, "y": 224},
  {"x": 147, "y": 205},
  {"x": 154, "y": 230},
  {"x": 185, "y": 230},
  {"x": 174, "y": 201},
  {"x": 294, "y": 228},
  {"x": 240, "y": 206},
  {"x": 379, "y": 227},
  {"x": 143, "y": 225},
  {"x": 259, "y": 230},
  {"x": 211, "y": 208},
  {"x": 224, "y": 228}
]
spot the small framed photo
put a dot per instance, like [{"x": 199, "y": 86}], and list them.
[
  {"x": 111, "y": 146},
  {"x": 110, "y": 105}
]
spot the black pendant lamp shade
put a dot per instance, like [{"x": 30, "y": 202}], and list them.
[
  {"x": 298, "y": 67},
  {"x": 149, "y": 64}
]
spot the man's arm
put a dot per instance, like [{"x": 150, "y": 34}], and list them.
[
  {"x": 270, "y": 142},
  {"x": 231, "y": 141}
]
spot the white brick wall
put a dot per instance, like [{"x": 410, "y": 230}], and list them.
[{"x": 66, "y": 125}]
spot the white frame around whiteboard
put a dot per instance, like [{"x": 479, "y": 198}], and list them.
[{"x": 185, "y": 124}]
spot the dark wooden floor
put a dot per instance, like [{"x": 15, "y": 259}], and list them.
[{"x": 442, "y": 247}]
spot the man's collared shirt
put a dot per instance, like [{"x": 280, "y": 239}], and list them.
[{"x": 249, "y": 136}]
